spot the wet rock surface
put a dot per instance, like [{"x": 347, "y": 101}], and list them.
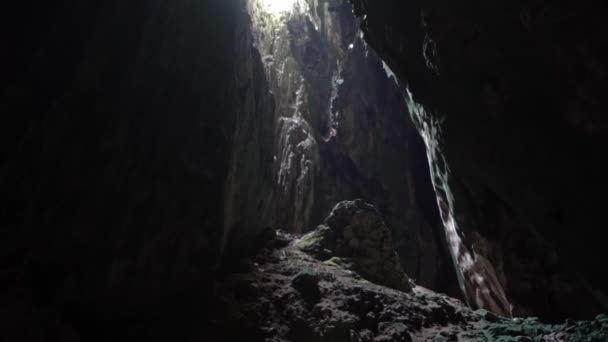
[
  {"x": 508, "y": 96},
  {"x": 354, "y": 234},
  {"x": 350, "y": 308}
]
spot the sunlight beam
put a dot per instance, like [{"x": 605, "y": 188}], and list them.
[{"x": 278, "y": 7}]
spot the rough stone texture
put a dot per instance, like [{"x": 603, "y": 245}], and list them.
[
  {"x": 342, "y": 131},
  {"x": 118, "y": 124},
  {"x": 249, "y": 189},
  {"x": 351, "y": 309},
  {"x": 138, "y": 148},
  {"x": 134, "y": 150},
  {"x": 307, "y": 283},
  {"x": 509, "y": 98},
  {"x": 294, "y": 68},
  {"x": 355, "y": 230}
]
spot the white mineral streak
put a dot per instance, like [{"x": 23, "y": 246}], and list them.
[{"x": 476, "y": 275}]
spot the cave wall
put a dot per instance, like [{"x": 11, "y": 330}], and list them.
[
  {"x": 122, "y": 143},
  {"x": 135, "y": 156},
  {"x": 343, "y": 131},
  {"x": 508, "y": 96},
  {"x": 249, "y": 199}
]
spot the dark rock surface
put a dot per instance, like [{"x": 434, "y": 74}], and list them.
[
  {"x": 351, "y": 309},
  {"x": 120, "y": 123},
  {"x": 248, "y": 199},
  {"x": 307, "y": 283},
  {"x": 143, "y": 142},
  {"x": 509, "y": 98},
  {"x": 355, "y": 233}
]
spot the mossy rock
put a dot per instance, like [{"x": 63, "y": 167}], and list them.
[
  {"x": 320, "y": 243},
  {"x": 591, "y": 331},
  {"x": 344, "y": 263},
  {"x": 307, "y": 283},
  {"x": 355, "y": 230},
  {"x": 487, "y": 315}
]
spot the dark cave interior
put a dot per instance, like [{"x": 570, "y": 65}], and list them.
[{"x": 303, "y": 170}]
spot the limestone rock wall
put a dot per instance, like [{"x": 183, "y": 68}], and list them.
[
  {"x": 507, "y": 95},
  {"x": 343, "y": 131},
  {"x": 249, "y": 200},
  {"x": 129, "y": 141}
]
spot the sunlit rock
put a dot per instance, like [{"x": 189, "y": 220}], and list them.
[
  {"x": 508, "y": 97},
  {"x": 354, "y": 235},
  {"x": 340, "y": 121}
]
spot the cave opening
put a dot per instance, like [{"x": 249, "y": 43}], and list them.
[
  {"x": 278, "y": 7},
  {"x": 303, "y": 171}
]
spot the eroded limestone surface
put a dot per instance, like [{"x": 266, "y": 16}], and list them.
[
  {"x": 288, "y": 295},
  {"x": 354, "y": 234}
]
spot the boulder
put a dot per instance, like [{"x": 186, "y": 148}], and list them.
[
  {"x": 307, "y": 283},
  {"x": 354, "y": 230}
]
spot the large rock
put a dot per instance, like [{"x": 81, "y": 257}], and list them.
[
  {"x": 307, "y": 283},
  {"x": 355, "y": 230}
]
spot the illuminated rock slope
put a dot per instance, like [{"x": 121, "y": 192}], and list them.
[
  {"x": 287, "y": 295},
  {"x": 343, "y": 131}
]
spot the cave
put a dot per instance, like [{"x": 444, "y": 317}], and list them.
[{"x": 303, "y": 171}]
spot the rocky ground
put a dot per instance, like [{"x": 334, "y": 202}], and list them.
[{"x": 285, "y": 294}]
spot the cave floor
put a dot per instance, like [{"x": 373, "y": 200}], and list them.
[{"x": 284, "y": 294}]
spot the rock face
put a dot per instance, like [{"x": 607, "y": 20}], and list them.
[
  {"x": 349, "y": 309},
  {"x": 342, "y": 131},
  {"x": 355, "y": 230},
  {"x": 508, "y": 96},
  {"x": 129, "y": 141},
  {"x": 249, "y": 188}
]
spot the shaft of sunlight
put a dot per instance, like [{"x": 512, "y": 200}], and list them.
[{"x": 278, "y": 6}]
